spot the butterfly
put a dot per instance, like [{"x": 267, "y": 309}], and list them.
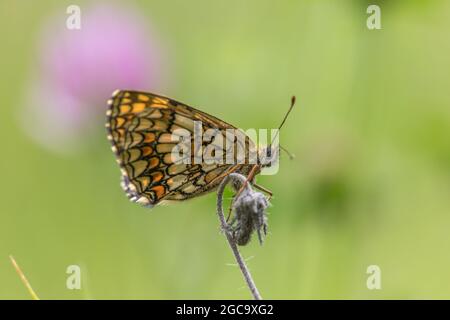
[{"x": 141, "y": 127}]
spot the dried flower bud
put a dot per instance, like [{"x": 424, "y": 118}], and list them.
[
  {"x": 250, "y": 215},
  {"x": 249, "y": 210}
]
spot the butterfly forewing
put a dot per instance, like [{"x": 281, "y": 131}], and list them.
[{"x": 141, "y": 127}]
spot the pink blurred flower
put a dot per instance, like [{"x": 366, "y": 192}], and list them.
[{"x": 77, "y": 70}]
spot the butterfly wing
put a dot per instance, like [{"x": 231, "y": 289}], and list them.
[{"x": 140, "y": 127}]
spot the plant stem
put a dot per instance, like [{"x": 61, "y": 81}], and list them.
[
  {"x": 225, "y": 228},
  {"x": 23, "y": 278}
]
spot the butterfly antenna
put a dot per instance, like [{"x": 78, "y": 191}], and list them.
[
  {"x": 291, "y": 156},
  {"x": 287, "y": 113}
]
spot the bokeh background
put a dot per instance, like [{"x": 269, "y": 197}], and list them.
[{"x": 370, "y": 184}]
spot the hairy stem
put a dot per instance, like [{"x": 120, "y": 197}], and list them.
[{"x": 231, "y": 242}]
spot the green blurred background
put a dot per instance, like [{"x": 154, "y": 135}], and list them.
[{"x": 370, "y": 184}]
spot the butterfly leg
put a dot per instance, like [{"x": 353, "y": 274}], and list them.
[
  {"x": 250, "y": 177},
  {"x": 263, "y": 189},
  {"x": 223, "y": 175}
]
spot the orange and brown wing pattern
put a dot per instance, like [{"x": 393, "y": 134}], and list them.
[{"x": 140, "y": 127}]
